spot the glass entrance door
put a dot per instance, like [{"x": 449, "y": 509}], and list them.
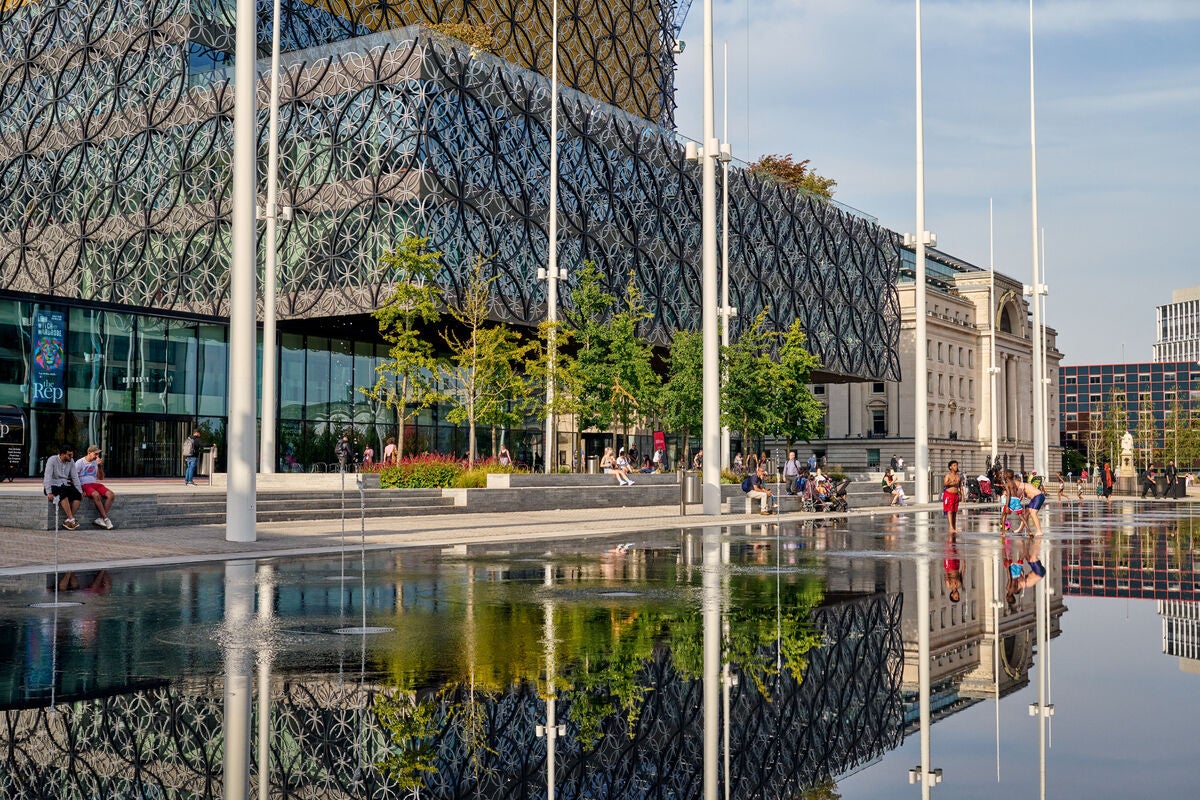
[{"x": 142, "y": 447}]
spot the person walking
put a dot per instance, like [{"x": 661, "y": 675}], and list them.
[
  {"x": 368, "y": 455},
  {"x": 90, "y": 469},
  {"x": 791, "y": 472},
  {"x": 61, "y": 481},
  {"x": 952, "y": 495},
  {"x": 1150, "y": 482},
  {"x": 389, "y": 451},
  {"x": 191, "y": 457},
  {"x": 344, "y": 453},
  {"x": 1106, "y": 482},
  {"x": 1172, "y": 476}
]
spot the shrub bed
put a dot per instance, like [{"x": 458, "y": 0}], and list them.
[{"x": 421, "y": 472}]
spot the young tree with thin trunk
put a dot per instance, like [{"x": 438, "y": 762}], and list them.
[
  {"x": 483, "y": 376},
  {"x": 748, "y": 396},
  {"x": 406, "y": 381},
  {"x": 798, "y": 415},
  {"x": 683, "y": 393}
]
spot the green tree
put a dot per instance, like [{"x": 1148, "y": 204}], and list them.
[
  {"x": 1114, "y": 423},
  {"x": 793, "y": 174},
  {"x": 1147, "y": 430},
  {"x": 617, "y": 382},
  {"x": 406, "y": 381},
  {"x": 683, "y": 393},
  {"x": 796, "y": 413},
  {"x": 567, "y": 385},
  {"x": 748, "y": 393},
  {"x": 481, "y": 377}
]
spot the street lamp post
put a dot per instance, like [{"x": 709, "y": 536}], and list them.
[
  {"x": 711, "y": 428},
  {"x": 918, "y": 242},
  {"x": 1037, "y": 289},
  {"x": 551, "y": 273},
  {"x": 240, "y": 493},
  {"x": 993, "y": 370}
]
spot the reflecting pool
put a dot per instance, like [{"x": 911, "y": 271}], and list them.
[{"x": 864, "y": 658}]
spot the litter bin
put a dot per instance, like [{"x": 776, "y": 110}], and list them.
[
  {"x": 692, "y": 490},
  {"x": 593, "y": 465},
  {"x": 208, "y": 460}
]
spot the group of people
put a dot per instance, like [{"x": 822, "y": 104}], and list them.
[{"x": 68, "y": 481}]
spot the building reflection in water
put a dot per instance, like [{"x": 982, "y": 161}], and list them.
[{"x": 734, "y": 665}]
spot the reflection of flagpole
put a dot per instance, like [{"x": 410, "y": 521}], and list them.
[
  {"x": 728, "y": 679},
  {"x": 998, "y": 579},
  {"x": 551, "y": 730},
  {"x": 239, "y": 604},
  {"x": 266, "y": 608},
  {"x": 923, "y": 773},
  {"x": 711, "y": 605},
  {"x": 1043, "y": 709}
]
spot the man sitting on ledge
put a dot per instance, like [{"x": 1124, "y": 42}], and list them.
[
  {"x": 62, "y": 481},
  {"x": 755, "y": 488},
  {"x": 90, "y": 469}
]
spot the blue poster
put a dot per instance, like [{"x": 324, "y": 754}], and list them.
[{"x": 49, "y": 357}]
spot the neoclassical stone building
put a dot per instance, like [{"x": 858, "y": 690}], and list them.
[{"x": 867, "y": 423}]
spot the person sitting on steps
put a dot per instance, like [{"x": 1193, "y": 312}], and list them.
[
  {"x": 61, "y": 481},
  {"x": 755, "y": 487},
  {"x": 90, "y": 469}
]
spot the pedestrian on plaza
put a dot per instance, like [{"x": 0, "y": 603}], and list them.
[
  {"x": 698, "y": 461},
  {"x": 505, "y": 457},
  {"x": 812, "y": 463},
  {"x": 1172, "y": 475},
  {"x": 894, "y": 464},
  {"x": 891, "y": 486},
  {"x": 738, "y": 465},
  {"x": 791, "y": 472},
  {"x": 61, "y": 480},
  {"x": 755, "y": 487},
  {"x": 658, "y": 459},
  {"x": 1150, "y": 482},
  {"x": 952, "y": 494},
  {"x": 368, "y": 455},
  {"x": 344, "y": 453},
  {"x": 1062, "y": 487},
  {"x": 624, "y": 467},
  {"x": 191, "y": 457},
  {"x": 1032, "y": 496},
  {"x": 1106, "y": 482},
  {"x": 90, "y": 470},
  {"x": 389, "y": 451}
]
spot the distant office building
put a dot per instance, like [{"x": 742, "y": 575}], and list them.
[
  {"x": 1102, "y": 401},
  {"x": 1178, "y": 328},
  {"x": 867, "y": 423}
]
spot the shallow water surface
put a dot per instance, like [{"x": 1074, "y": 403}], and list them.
[{"x": 1068, "y": 666}]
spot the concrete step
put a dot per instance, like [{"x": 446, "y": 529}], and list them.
[{"x": 283, "y": 515}]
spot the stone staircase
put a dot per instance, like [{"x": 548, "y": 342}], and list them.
[{"x": 182, "y": 509}]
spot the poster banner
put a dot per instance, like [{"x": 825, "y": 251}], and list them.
[
  {"x": 12, "y": 442},
  {"x": 660, "y": 441},
  {"x": 49, "y": 359}
]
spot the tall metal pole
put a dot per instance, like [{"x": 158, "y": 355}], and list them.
[
  {"x": 921, "y": 401},
  {"x": 993, "y": 370},
  {"x": 1040, "y": 454},
  {"x": 1045, "y": 355},
  {"x": 552, "y": 249},
  {"x": 266, "y": 453},
  {"x": 708, "y": 303},
  {"x": 239, "y": 497},
  {"x": 726, "y": 312}
]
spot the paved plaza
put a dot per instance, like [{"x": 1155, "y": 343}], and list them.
[{"x": 25, "y": 551}]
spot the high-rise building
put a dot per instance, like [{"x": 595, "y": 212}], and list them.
[{"x": 1177, "y": 328}]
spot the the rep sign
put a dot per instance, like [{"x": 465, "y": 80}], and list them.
[{"x": 49, "y": 358}]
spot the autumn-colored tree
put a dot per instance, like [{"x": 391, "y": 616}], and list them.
[
  {"x": 478, "y": 35},
  {"x": 793, "y": 174}
]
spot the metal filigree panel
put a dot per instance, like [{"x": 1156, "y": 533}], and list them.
[{"x": 115, "y": 132}]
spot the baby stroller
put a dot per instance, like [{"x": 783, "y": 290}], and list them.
[
  {"x": 837, "y": 496},
  {"x": 974, "y": 491},
  {"x": 985, "y": 491},
  {"x": 810, "y": 499}
]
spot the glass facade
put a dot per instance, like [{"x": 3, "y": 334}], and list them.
[{"x": 136, "y": 384}]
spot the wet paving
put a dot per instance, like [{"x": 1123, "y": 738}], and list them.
[{"x": 873, "y": 657}]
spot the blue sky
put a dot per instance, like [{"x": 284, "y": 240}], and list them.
[{"x": 1118, "y": 124}]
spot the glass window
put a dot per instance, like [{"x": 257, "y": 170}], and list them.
[
  {"x": 316, "y": 379},
  {"x": 877, "y": 387},
  {"x": 212, "y": 368},
  {"x": 119, "y": 368},
  {"x": 14, "y": 344},
  {"x": 878, "y": 422},
  {"x": 341, "y": 380},
  {"x": 291, "y": 377}
]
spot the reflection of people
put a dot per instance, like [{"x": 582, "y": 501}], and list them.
[
  {"x": 90, "y": 469},
  {"x": 191, "y": 457},
  {"x": 100, "y": 583},
  {"x": 952, "y": 566},
  {"x": 61, "y": 480},
  {"x": 1018, "y": 579}
]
